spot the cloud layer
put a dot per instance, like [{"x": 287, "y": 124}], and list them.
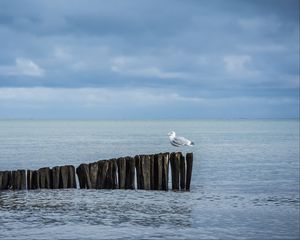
[{"x": 208, "y": 54}]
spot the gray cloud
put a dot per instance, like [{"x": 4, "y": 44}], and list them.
[{"x": 198, "y": 48}]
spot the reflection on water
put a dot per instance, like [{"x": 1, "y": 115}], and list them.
[{"x": 162, "y": 214}]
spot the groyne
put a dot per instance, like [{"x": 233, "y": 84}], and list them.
[{"x": 148, "y": 172}]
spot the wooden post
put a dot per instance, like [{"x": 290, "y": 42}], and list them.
[
  {"x": 175, "y": 166},
  {"x": 182, "y": 173},
  {"x": 82, "y": 172},
  {"x": 122, "y": 172},
  {"x": 5, "y": 180},
  {"x": 189, "y": 168},
  {"x": 138, "y": 172},
  {"x": 153, "y": 172},
  {"x": 72, "y": 177},
  {"x": 93, "y": 169},
  {"x": 64, "y": 173},
  {"x": 130, "y": 173},
  {"x": 100, "y": 179},
  {"x": 165, "y": 171},
  {"x": 114, "y": 173},
  {"x": 22, "y": 179},
  {"x": 56, "y": 177},
  {"x": 158, "y": 168},
  {"x": 109, "y": 175},
  {"x": 14, "y": 180},
  {"x": 32, "y": 179},
  {"x": 1, "y": 180},
  {"x": 35, "y": 179},
  {"x": 19, "y": 180},
  {"x": 29, "y": 179},
  {"x": 67, "y": 174},
  {"x": 45, "y": 177},
  {"x": 145, "y": 171}
]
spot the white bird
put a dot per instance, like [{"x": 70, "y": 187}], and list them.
[{"x": 179, "y": 141}]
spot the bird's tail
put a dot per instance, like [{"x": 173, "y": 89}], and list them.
[{"x": 192, "y": 144}]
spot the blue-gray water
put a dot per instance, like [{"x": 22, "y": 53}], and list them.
[{"x": 245, "y": 182}]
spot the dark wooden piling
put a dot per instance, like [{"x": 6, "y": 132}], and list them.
[
  {"x": 14, "y": 180},
  {"x": 93, "y": 170},
  {"x": 104, "y": 176},
  {"x": 158, "y": 169},
  {"x": 114, "y": 173},
  {"x": 130, "y": 173},
  {"x": 101, "y": 175},
  {"x": 109, "y": 175},
  {"x": 67, "y": 177},
  {"x": 189, "y": 168},
  {"x": 1, "y": 180},
  {"x": 153, "y": 171},
  {"x": 175, "y": 169},
  {"x": 122, "y": 172},
  {"x": 33, "y": 179},
  {"x": 18, "y": 180},
  {"x": 45, "y": 177},
  {"x": 82, "y": 172},
  {"x": 5, "y": 180},
  {"x": 145, "y": 171},
  {"x": 56, "y": 177},
  {"x": 64, "y": 174},
  {"x": 182, "y": 172},
  {"x": 72, "y": 177},
  {"x": 138, "y": 172},
  {"x": 165, "y": 171},
  {"x": 29, "y": 179}
]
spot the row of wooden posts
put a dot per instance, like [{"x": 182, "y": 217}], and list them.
[{"x": 148, "y": 172}]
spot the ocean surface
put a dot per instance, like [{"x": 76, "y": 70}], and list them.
[{"x": 245, "y": 182}]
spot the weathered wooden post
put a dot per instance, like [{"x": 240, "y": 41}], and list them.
[
  {"x": 145, "y": 171},
  {"x": 72, "y": 177},
  {"x": 175, "y": 167},
  {"x": 165, "y": 171},
  {"x": 138, "y": 172},
  {"x": 64, "y": 173},
  {"x": 83, "y": 176},
  {"x": 109, "y": 175},
  {"x": 5, "y": 180},
  {"x": 93, "y": 170},
  {"x": 18, "y": 180},
  {"x": 29, "y": 179},
  {"x": 1, "y": 180},
  {"x": 130, "y": 173},
  {"x": 122, "y": 172},
  {"x": 153, "y": 171},
  {"x": 114, "y": 173},
  {"x": 104, "y": 174},
  {"x": 22, "y": 179},
  {"x": 45, "y": 177},
  {"x": 182, "y": 173},
  {"x": 100, "y": 175},
  {"x": 67, "y": 174},
  {"x": 189, "y": 168},
  {"x": 33, "y": 179},
  {"x": 158, "y": 168},
  {"x": 56, "y": 177}
]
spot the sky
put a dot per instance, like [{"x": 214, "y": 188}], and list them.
[{"x": 140, "y": 59}]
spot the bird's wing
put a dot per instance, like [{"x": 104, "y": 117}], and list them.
[{"x": 181, "y": 141}]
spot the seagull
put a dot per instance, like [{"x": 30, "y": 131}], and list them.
[{"x": 179, "y": 141}]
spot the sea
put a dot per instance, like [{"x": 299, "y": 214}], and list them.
[{"x": 245, "y": 182}]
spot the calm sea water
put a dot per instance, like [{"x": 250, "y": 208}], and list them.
[{"x": 245, "y": 182}]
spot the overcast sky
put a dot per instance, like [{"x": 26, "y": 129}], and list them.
[{"x": 146, "y": 59}]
